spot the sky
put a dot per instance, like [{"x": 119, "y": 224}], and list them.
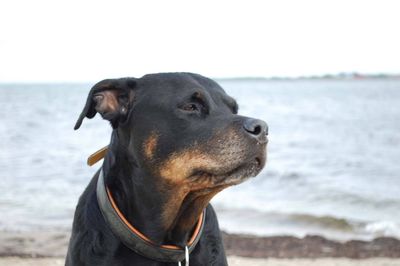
[{"x": 74, "y": 41}]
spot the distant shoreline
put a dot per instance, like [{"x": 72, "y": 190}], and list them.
[
  {"x": 54, "y": 244},
  {"x": 336, "y": 77}
]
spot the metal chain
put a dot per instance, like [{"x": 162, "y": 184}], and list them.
[{"x": 186, "y": 257}]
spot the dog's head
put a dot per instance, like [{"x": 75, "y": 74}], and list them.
[{"x": 181, "y": 127}]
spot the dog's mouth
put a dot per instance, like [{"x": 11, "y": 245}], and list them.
[
  {"x": 244, "y": 171},
  {"x": 233, "y": 176}
]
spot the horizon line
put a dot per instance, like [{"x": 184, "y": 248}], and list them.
[{"x": 339, "y": 75}]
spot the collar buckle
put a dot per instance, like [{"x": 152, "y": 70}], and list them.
[{"x": 186, "y": 257}]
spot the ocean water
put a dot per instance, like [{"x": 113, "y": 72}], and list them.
[{"x": 333, "y": 158}]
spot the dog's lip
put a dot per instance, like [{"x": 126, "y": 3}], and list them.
[{"x": 236, "y": 175}]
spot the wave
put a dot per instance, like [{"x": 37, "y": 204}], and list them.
[
  {"x": 328, "y": 222},
  {"x": 301, "y": 224}
]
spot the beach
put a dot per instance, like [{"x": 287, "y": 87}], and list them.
[
  {"x": 284, "y": 116},
  {"x": 49, "y": 248}
]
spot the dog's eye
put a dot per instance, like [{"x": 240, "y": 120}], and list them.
[{"x": 190, "y": 107}]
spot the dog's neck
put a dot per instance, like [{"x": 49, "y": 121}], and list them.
[{"x": 164, "y": 212}]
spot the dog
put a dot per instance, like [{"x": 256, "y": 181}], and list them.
[{"x": 177, "y": 141}]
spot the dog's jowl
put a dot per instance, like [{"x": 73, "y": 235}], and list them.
[{"x": 177, "y": 141}]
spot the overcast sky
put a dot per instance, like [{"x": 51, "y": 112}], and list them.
[{"x": 91, "y": 40}]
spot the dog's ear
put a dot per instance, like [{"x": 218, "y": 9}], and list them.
[{"x": 112, "y": 98}]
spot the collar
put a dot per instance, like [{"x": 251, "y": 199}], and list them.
[{"x": 133, "y": 238}]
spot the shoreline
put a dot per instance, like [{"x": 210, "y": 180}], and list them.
[
  {"x": 53, "y": 244},
  {"x": 310, "y": 247}
]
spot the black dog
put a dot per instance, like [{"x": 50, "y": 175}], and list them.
[{"x": 177, "y": 141}]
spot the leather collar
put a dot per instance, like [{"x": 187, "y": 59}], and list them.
[{"x": 134, "y": 239}]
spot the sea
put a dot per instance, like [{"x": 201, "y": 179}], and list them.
[{"x": 333, "y": 158}]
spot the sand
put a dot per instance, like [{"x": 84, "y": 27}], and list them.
[
  {"x": 233, "y": 261},
  {"x": 49, "y": 248}
]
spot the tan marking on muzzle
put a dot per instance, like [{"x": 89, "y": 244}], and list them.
[
  {"x": 223, "y": 150},
  {"x": 149, "y": 146},
  {"x": 180, "y": 165}
]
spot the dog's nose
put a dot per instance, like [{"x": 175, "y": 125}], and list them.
[{"x": 256, "y": 128}]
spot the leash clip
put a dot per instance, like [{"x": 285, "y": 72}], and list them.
[{"x": 186, "y": 257}]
